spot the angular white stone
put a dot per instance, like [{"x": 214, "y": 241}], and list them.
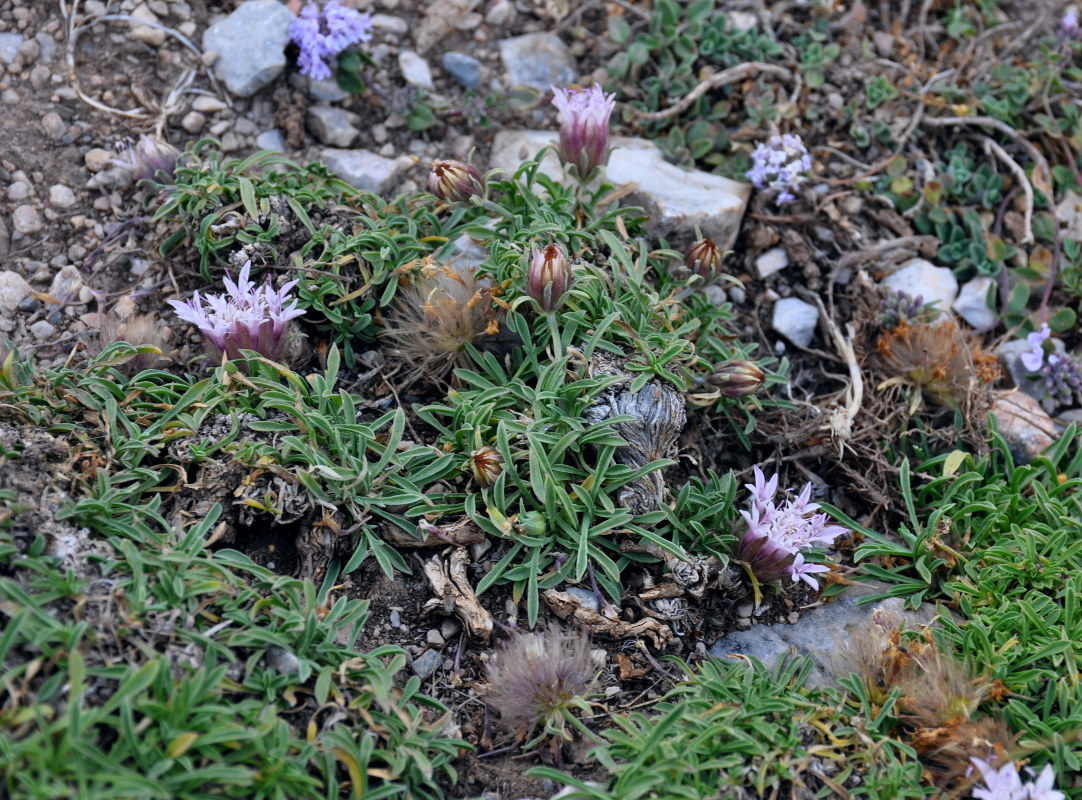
[
  {"x": 923, "y": 278},
  {"x": 972, "y": 303},
  {"x": 795, "y": 320},
  {"x": 539, "y": 60},
  {"x": 26, "y": 220},
  {"x": 677, "y": 200},
  {"x": 415, "y": 70},
  {"x": 511, "y": 147},
  {"x": 13, "y": 290},
  {"x": 363, "y": 169},
  {"x": 773, "y": 260},
  {"x": 331, "y": 125},
  {"x": 250, "y": 44},
  {"x": 61, "y": 196}
]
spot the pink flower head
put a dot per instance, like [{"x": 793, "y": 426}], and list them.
[
  {"x": 245, "y": 318},
  {"x": 1004, "y": 783},
  {"x": 322, "y": 35},
  {"x": 584, "y": 126},
  {"x": 778, "y": 535}
]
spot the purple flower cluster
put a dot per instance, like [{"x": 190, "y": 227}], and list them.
[
  {"x": 1068, "y": 27},
  {"x": 779, "y": 165},
  {"x": 322, "y": 35},
  {"x": 1005, "y": 783},
  {"x": 584, "y": 126},
  {"x": 900, "y": 307},
  {"x": 245, "y": 318},
  {"x": 777, "y": 535},
  {"x": 1060, "y": 375}
]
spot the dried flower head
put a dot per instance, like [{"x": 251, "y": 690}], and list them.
[
  {"x": 779, "y": 165},
  {"x": 455, "y": 181},
  {"x": 322, "y": 35},
  {"x": 440, "y": 311},
  {"x": 938, "y": 359},
  {"x": 584, "y": 127},
  {"x": 548, "y": 278},
  {"x": 538, "y": 678},
  {"x": 941, "y": 692},
  {"x": 245, "y": 318},
  {"x": 703, "y": 257},
  {"x": 141, "y": 330},
  {"x": 778, "y": 536},
  {"x": 149, "y": 159},
  {"x": 737, "y": 378},
  {"x": 876, "y": 654}
]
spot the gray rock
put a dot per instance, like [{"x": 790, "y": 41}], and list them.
[
  {"x": 463, "y": 68},
  {"x": 426, "y": 664},
  {"x": 29, "y": 304},
  {"x": 19, "y": 190},
  {"x": 920, "y": 277},
  {"x": 676, "y": 200},
  {"x": 61, "y": 196},
  {"x": 271, "y": 140},
  {"x": 363, "y": 169},
  {"x": 54, "y": 126},
  {"x": 250, "y": 44},
  {"x": 26, "y": 220},
  {"x": 282, "y": 661},
  {"x": 737, "y": 295},
  {"x": 193, "y": 121},
  {"x": 415, "y": 70},
  {"x": 390, "y": 24},
  {"x": 795, "y": 320},
  {"x": 46, "y": 47},
  {"x": 511, "y": 147},
  {"x": 5, "y": 238},
  {"x": 327, "y": 90},
  {"x": 9, "y": 46},
  {"x": 972, "y": 303},
  {"x": 42, "y": 330},
  {"x": 66, "y": 284},
  {"x": 434, "y": 638},
  {"x": 818, "y": 632},
  {"x": 773, "y": 260},
  {"x": 331, "y": 125},
  {"x": 538, "y": 60},
  {"x": 449, "y": 627},
  {"x": 1024, "y": 424},
  {"x": 395, "y": 617},
  {"x": 585, "y": 597},
  {"x": 13, "y": 290}
]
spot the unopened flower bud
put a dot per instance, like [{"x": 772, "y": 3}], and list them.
[
  {"x": 486, "y": 463},
  {"x": 704, "y": 257},
  {"x": 531, "y": 523},
  {"x": 549, "y": 277},
  {"x": 738, "y": 378},
  {"x": 455, "y": 181}
]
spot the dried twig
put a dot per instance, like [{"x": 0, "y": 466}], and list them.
[
  {"x": 841, "y": 420},
  {"x": 1020, "y": 175},
  {"x": 726, "y": 76}
]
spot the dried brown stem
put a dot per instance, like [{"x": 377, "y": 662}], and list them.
[{"x": 726, "y": 76}]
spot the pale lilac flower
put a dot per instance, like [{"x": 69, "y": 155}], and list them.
[
  {"x": 584, "y": 126},
  {"x": 322, "y": 35},
  {"x": 1033, "y": 359},
  {"x": 246, "y": 318},
  {"x": 149, "y": 159},
  {"x": 1068, "y": 25},
  {"x": 779, "y": 165},
  {"x": 777, "y": 536},
  {"x": 1004, "y": 783}
]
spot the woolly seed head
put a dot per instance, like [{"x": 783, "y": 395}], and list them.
[
  {"x": 538, "y": 676},
  {"x": 443, "y": 309},
  {"x": 149, "y": 159}
]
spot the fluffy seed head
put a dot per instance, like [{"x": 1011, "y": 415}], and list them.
[
  {"x": 139, "y": 330},
  {"x": 455, "y": 181},
  {"x": 443, "y": 309},
  {"x": 549, "y": 277},
  {"x": 539, "y": 676}
]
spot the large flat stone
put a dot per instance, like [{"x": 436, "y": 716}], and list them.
[
  {"x": 251, "y": 45},
  {"x": 365, "y": 170},
  {"x": 819, "y": 632}
]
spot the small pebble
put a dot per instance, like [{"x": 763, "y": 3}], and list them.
[
  {"x": 54, "y": 126},
  {"x": 193, "y": 122},
  {"x": 282, "y": 661},
  {"x": 396, "y": 619},
  {"x": 434, "y": 638},
  {"x": 26, "y": 220},
  {"x": 42, "y": 330},
  {"x": 426, "y": 664},
  {"x": 61, "y": 196}
]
